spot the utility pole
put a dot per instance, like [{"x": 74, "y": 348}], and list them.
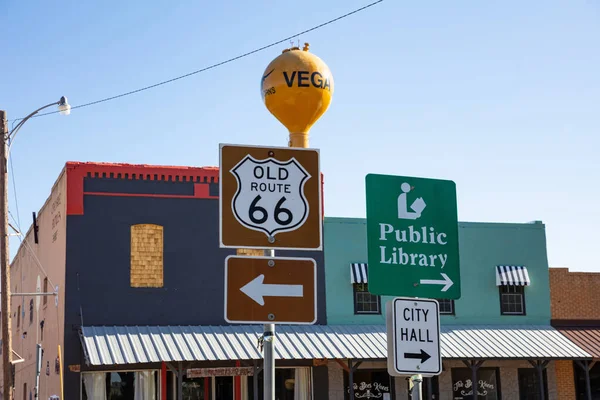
[{"x": 5, "y": 265}]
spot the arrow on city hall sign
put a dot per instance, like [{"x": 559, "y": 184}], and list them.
[
  {"x": 423, "y": 356},
  {"x": 257, "y": 290}
]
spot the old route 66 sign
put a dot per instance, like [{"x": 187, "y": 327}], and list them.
[{"x": 270, "y": 195}]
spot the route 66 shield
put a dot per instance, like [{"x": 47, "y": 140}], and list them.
[{"x": 270, "y": 195}]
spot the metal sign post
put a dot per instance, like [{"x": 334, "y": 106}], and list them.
[{"x": 417, "y": 392}]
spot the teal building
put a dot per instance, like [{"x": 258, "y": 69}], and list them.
[{"x": 497, "y": 334}]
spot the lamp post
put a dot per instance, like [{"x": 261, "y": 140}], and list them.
[{"x": 6, "y": 139}]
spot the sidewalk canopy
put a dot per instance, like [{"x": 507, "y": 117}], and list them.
[
  {"x": 588, "y": 338},
  {"x": 118, "y": 345}
]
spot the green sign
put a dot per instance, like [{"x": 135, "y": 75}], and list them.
[{"x": 412, "y": 237}]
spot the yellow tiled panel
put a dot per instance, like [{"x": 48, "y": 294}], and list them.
[{"x": 147, "y": 246}]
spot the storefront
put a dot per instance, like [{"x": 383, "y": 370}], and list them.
[
  {"x": 586, "y": 373},
  {"x": 196, "y": 363},
  {"x": 318, "y": 362},
  {"x": 228, "y": 383},
  {"x": 506, "y": 362}
]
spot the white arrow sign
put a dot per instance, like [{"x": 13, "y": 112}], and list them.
[
  {"x": 256, "y": 290},
  {"x": 446, "y": 281}
]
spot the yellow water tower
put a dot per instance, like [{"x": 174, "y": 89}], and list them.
[{"x": 297, "y": 87}]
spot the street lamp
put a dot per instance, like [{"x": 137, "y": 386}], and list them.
[{"x": 8, "y": 137}]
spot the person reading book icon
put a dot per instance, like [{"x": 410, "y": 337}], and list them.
[{"x": 417, "y": 206}]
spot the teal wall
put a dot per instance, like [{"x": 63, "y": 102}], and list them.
[{"x": 482, "y": 247}]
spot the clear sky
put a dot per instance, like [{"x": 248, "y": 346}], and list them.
[{"x": 501, "y": 97}]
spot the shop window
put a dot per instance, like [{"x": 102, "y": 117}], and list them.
[
  {"x": 45, "y": 298},
  {"x": 196, "y": 388},
  {"x": 147, "y": 246},
  {"x": 288, "y": 382},
  {"x": 488, "y": 387},
  {"x": 369, "y": 384},
  {"x": 446, "y": 306},
  {"x": 580, "y": 385},
  {"x": 365, "y": 302},
  {"x": 529, "y": 387},
  {"x": 434, "y": 386},
  {"x": 512, "y": 300},
  {"x": 119, "y": 385}
]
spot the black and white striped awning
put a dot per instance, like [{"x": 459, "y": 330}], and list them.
[
  {"x": 512, "y": 275},
  {"x": 358, "y": 273}
]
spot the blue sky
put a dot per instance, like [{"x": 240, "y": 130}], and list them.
[{"x": 501, "y": 97}]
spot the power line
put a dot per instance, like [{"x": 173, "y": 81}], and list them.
[{"x": 331, "y": 21}]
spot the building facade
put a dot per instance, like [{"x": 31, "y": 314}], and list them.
[
  {"x": 130, "y": 258},
  {"x": 576, "y": 314},
  {"x": 500, "y": 326},
  {"x": 132, "y": 252}
]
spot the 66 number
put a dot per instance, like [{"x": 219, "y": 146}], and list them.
[{"x": 259, "y": 215}]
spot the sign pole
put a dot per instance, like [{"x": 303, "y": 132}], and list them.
[{"x": 269, "y": 356}]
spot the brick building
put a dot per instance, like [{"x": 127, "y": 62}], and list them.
[{"x": 575, "y": 305}]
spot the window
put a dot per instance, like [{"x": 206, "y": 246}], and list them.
[
  {"x": 488, "y": 386},
  {"x": 446, "y": 306},
  {"x": 368, "y": 384},
  {"x": 580, "y": 385},
  {"x": 529, "y": 388},
  {"x": 365, "y": 302},
  {"x": 18, "y": 316},
  {"x": 45, "y": 291},
  {"x": 286, "y": 379},
  {"x": 42, "y": 330},
  {"x": 146, "y": 256},
  {"x": 434, "y": 383},
  {"x": 30, "y": 311},
  {"x": 512, "y": 300}
]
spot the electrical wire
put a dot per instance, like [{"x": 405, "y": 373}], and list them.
[{"x": 331, "y": 21}]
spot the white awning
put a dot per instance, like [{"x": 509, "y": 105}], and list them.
[
  {"x": 358, "y": 273},
  {"x": 118, "y": 345},
  {"x": 512, "y": 275}
]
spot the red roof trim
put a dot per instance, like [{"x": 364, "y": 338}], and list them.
[{"x": 76, "y": 171}]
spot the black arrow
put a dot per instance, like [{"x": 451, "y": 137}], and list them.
[{"x": 423, "y": 356}]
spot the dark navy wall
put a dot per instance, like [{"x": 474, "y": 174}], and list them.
[{"x": 98, "y": 288}]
